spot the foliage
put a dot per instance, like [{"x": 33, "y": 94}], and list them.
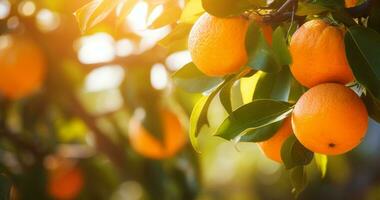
[{"x": 268, "y": 89}]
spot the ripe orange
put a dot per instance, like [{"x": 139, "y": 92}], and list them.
[
  {"x": 217, "y": 45},
  {"x": 318, "y": 54},
  {"x": 272, "y": 146},
  {"x": 65, "y": 183},
  {"x": 144, "y": 143},
  {"x": 350, "y": 3},
  {"x": 267, "y": 31},
  {"x": 265, "y": 28},
  {"x": 330, "y": 119},
  {"x": 22, "y": 67}
]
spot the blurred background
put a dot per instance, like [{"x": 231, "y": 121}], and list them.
[{"x": 107, "y": 122}]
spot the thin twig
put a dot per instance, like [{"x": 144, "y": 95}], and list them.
[
  {"x": 19, "y": 142},
  {"x": 114, "y": 152}
]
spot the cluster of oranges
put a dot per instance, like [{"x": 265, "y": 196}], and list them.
[{"x": 329, "y": 118}]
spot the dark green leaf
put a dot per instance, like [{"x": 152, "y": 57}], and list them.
[
  {"x": 276, "y": 86},
  {"x": 298, "y": 177},
  {"x": 225, "y": 8},
  {"x": 261, "y": 134},
  {"x": 251, "y": 116},
  {"x": 362, "y": 50},
  {"x": 191, "y": 79},
  {"x": 280, "y": 47},
  {"x": 296, "y": 90},
  {"x": 306, "y": 8},
  {"x": 294, "y": 154},
  {"x": 260, "y": 54},
  {"x": 373, "y": 106}
]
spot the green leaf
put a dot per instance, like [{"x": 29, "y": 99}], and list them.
[
  {"x": 260, "y": 54},
  {"x": 321, "y": 161},
  {"x": 247, "y": 87},
  {"x": 305, "y": 9},
  {"x": 276, "y": 86},
  {"x": 192, "y": 80},
  {"x": 192, "y": 11},
  {"x": 373, "y": 106},
  {"x": 362, "y": 50},
  {"x": 298, "y": 178},
  {"x": 197, "y": 120},
  {"x": 225, "y": 8},
  {"x": 198, "y": 116},
  {"x": 93, "y": 13},
  {"x": 280, "y": 47},
  {"x": 261, "y": 134},
  {"x": 294, "y": 154},
  {"x": 251, "y": 116},
  {"x": 177, "y": 38},
  {"x": 296, "y": 90},
  {"x": 225, "y": 96},
  {"x": 170, "y": 15}
]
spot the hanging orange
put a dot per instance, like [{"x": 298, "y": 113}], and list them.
[
  {"x": 318, "y": 53},
  {"x": 272, "y": 146},
  {"x": 330, "y": 119},
  {"x": 65, "y": 183},
  {"x": 144, "y": 143},
  {"x": 217, "y": 45},
  {"x": 22, "y": 67}
]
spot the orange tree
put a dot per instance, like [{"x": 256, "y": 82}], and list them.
[
  {"x": 303, "y": 71},
  {"x": 55, "y": 142}
]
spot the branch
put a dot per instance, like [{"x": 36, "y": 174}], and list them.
[
  {"x": 19, "y": 142},
  {"x": 361, "y": 10},
  {"x": 114, "y": 152},
  {"x": 283, "y": 13}
]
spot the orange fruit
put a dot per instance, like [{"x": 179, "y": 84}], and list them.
[
  {"x": 330, "y": 119},
  {"x": 144, "y": 143},
  {"x": 350, "y": 3},
  {"x": 22, "y": 67},
  {"x": 65, "y": 183},
  {"x": 318, "y": 53},
  {"x": 272, "y": 147},
  {"x": 217, "y": 45},
  {"x": 265, "y": 28},
  {"x": 267, "y": 31}
]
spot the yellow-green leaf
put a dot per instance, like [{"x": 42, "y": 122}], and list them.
[
  {"x": 192, "y": 11},
  {"x": 321, "y": 161}
]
